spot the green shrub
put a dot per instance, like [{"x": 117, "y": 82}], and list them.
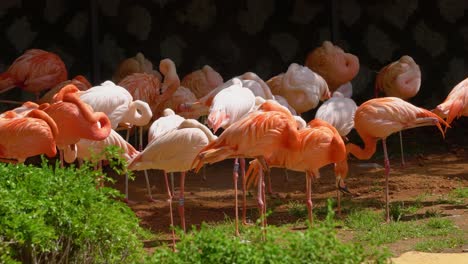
[
  {"x": 50, "y": 214},
  {"x": 216, "y": 244}
]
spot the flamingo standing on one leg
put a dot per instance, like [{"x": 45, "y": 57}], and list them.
[
  {"x": 402, "y": 79},
  {"x": 257, "y": 135},
  {"x": 174, "y": 152},
  {"x": 456, "y": 103},
  {"x": 34, "y": 71},
  {"x": 380, "y": 117},
  {"x": 320, "y": 144}
]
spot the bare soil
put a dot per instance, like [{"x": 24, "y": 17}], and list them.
[{"x": 434, "y": 167}]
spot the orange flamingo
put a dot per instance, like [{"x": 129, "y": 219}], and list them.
[
  {"x": 320, "y": 144},
  {"x": 380, "y": 117},
  {"x": 34, "y": 71},
  {"x": 402, "y": 79},
  {"x": 76, "y": 120},
  {"x": 24, "y": 136},
  {"x": 456, "y": 103},
  {"x": 257, "y": 135},
  {"x": 147, "y": 88},
  {"x": 333, "y": 64},
  {"x": 202, "y": 81}
]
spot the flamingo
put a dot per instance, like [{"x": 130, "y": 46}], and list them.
[
  {"x": 79, "y": 81},
  {"x": 319, "y": 144},
  {"x": 456, "y": 103},
  {"x": 202, "y": 81},
  {"x": 182, "y": 95},
  {"x": 249, "y": 80},
  {"x": 257, "y": 135},
  {"x": 339, "y": 112},
  {"x": 174, "y": 152},
  {"x": 34, "y": 71},
  {"x": 136, "y": 64},
  {"x": 26, "y": 135},
  {"x": 75, "y": 120},
  {"x": 302, "y": 88},
  {"x": 148, "y": 88},
  {"x": 92, "y": 150},
  {"x": 402, "y": 79},
  {"x": 333, "y": 64},
  {"x": 168, "y": 122},
  {"x": 380, "y": 117}
]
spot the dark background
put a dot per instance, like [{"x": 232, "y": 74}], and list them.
[{"x": 262, "y": 36}]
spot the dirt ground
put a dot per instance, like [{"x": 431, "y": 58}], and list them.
[{"x": 434, "y": 167}]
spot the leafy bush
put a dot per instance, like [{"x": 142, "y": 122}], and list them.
[
  {"x": 216, "y": 244},
  {"x": 50, "y": 214}
]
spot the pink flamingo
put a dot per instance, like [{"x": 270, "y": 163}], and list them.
[
  {"x": 174, "y": 152},
  {"x": 402, "y": 79},
  {"x": 333, "y": 64},
  {"x": 136, "y": 64},
  {"x": 202, "y": 81},
  {"x": 456, "y": 103},
  {"x": 380, "y": 117}
]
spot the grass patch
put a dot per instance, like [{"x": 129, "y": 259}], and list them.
[
  {"x": 371, "y": 230},
  {"x": 438, "y": 245}
]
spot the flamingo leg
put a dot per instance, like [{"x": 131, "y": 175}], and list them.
[
  {"x": 387, "y": 172},
  {"x": 182, "y": 200},
  {"x": 309, "y": 196},
  {"x": 148, "y": 187},
  {"x": 244, "y": 192},
  {"x": 261, "y": 205},
  {"x": 169, "y": 200},
  {"x": 126, "y": 187},
  {"x": 338, "y": 195},
  {"x": 286, "y": 175},
  {"x": 401, "y": 148},
  {"x": 61, "y": 158},
  {"x": 204, "y": 173},
  {"x": 235, "y": 176},
  {"x": 268, "y": 181}
]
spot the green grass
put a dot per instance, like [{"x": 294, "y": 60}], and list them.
[
  {"x": 439, "y": 244},
  {"x": 297, "y": 209},
  {"x": 370, "y": 229},
  {"x": 217, "y": 244}
]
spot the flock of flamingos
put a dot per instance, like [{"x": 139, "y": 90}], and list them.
[{"x": 260, "y": 120}]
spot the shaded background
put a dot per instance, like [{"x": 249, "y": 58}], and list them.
[{"x": 262, "y": 36}]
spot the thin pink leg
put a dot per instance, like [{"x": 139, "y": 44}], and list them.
[
  {"x": 169, "y": 200},
  {"x": 268, "y": 180},
  {"x": 387, "y": 172},
  {"x": 235, "y": 176},
  {"x": 261, "y": 205},
  {"x": 402, "y": 152},
  {"x": 244, "y": 192},
  {"x": 309, "y": 196},
  {"x": 182, "y": 200}
]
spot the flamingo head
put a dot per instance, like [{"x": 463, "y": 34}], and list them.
[{"x": 217, "y": 119}]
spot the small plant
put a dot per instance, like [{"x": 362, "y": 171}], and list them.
[
  {"x": 50, "y": 214},
  {"x": 297, "y": 209},
  {"x": 432, "y": 212}
]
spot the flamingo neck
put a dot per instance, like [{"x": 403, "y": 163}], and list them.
[{"x": 363, "y": 153}]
